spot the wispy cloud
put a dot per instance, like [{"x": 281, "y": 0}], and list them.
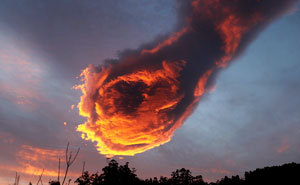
[
  {"x": 20, "y": 75},
  {"x": 284, "y": 146},
  {"x": 31, "y": 161}
]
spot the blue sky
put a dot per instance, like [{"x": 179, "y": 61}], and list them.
[{"x": 250, "y": 120}]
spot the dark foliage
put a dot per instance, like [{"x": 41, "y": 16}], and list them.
[
  {"x": 112, "y": 174},
  {"x": 115, "y": 174},
  {"x": 54, "y": 183},
  {"x": 285, "y": 174}
]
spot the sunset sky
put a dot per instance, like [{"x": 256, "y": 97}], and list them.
[{"x": 251, "y": 119}]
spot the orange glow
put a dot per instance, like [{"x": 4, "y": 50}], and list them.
[
  {"x": 138, "y": 110},
  {"x": 122, "y": 133},
  {"x": 37, "y": 154},
  {"x": 200, "y": 88},
  {"x": 33, "y": 160},
  {"x": 173, "y": 38},
  {"x": 232, "y": 30},
  {"x": 230, "y": 26},
  {"x": 118, "y": 132},
  {"x": 284, "y": 146}
]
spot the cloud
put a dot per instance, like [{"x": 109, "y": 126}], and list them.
[
  {"x": 31, "y": 161},
  {"x": 242, "y": 120},
  {"x": 76, "y": 33},
  {"x": 136, "y": 102},
  {"x": 284, "y": 146},
  {"x": 20, "y": 77}
]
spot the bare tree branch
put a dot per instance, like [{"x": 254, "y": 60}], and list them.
[
  {"x": 40, "y": 178},
  {"x": 83, "y": 165},
  {"x": 58, "y": 173},
  {"x": 17, "y": 179},
  {"x": 69, "y": 181},
  {"x": 69, "y": 160}
]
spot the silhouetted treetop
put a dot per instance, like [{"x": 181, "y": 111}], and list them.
[
  {"x": 115, "y": 174},
  {"x": 112, "y": 174}
]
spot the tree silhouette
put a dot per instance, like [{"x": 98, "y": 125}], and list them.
[
  {"x": 115, "y": 174},
  {"x": 234, "y": 180},
  {"x": 182, "y": 176},
  {"x": 112, "y": 174},
  {"x": 285, "y": 174}
]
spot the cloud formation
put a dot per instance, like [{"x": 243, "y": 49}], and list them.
[{"x": 136, "y": 103}]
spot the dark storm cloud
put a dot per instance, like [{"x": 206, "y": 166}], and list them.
[
  {"x": 251, "y": 120},
  {"x": 202, "y": 45}
]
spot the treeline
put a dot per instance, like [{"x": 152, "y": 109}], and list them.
[{"x": 115, "y": 174}]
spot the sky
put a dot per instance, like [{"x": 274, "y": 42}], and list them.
[{"x": 250, "y": 120}]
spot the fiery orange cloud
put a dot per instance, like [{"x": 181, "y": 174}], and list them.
[
  {"x": 137, "y": 103},
  {"x": 126, "y": 130}
]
